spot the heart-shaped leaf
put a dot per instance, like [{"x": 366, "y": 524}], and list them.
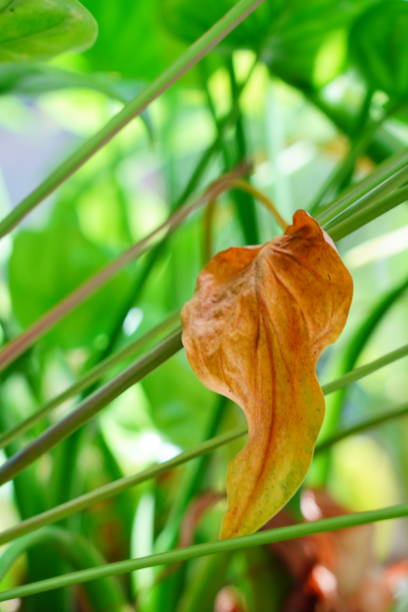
[
  {"x": 253, "y": 332},
  {"x": 41, "y": 29}
]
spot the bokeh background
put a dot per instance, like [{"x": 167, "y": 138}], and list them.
[{"x": 309, "y": 97}]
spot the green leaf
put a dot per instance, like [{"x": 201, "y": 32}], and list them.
[
  {"x": 29, "y": 78},
  {"x": 41, "y": 29},
  {"x": 379, "y": 44},
  {"x": 123, "y": 45},
  {"x": 32, "y": 79},
  {"x": 179, "y": 403},
  {"x": 308, "y": 44},
  {"x": 103, "y": 594},
  {"x": 64, "y": 258}
]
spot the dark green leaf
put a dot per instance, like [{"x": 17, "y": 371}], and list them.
[
  {"x": 308, "y": 43},
  {"x": 379, "y": 43},
  {"x": 131, "y": 40}
]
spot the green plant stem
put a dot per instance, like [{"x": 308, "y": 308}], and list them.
[
  {"x": 343, "y": 116},
  {"x": 169, "y": 588},
  {"x": 132, "y": 109},
  {"x": 357, "y": 148},
  {"x": 261, "y": 538},
  {"x": 387, "y": 176},
  {"x": 116, "y": 487},
  {"x": 365, "y": 370},
  {"x": 375, "y": 421},
  {"x": 88, "y": 379},
  {"x": 243, "y": 200},
  {"x": 90, "y": 406},
  {"x": 350, "y": 221}
]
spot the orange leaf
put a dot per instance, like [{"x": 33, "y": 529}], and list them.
[{"x": 253, "y": 331}]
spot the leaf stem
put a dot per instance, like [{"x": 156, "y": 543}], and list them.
[
  {"x": 370, "y": 423},
  {"x": 259, "y": 195},
  {"x": 261, "y": 538}
]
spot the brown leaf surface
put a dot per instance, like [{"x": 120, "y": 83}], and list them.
[{"x": 253, "y": 331}]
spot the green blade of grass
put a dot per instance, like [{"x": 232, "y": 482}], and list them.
[
  {"x": 280, "y": 534},
  {"x": 357, "y": 148},
  {"x": 385, "y": 177},
  {"x": 352, "y": 220},
  {"x": 116, "y": 487},
  {"x": 132, "y": 109}
]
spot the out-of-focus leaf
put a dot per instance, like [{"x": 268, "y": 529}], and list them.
[
  {"x": 179, "y": 404},
  {"x": 308, "y": 44},
  {"x": 45, "y": 265},
  {"x": 188, "y": 20},
  {"x": 379, "y": 42},
  {"x": 206, "y": 577},
  {"x": 131, "y": 40},
  {"x": 302, "y": 42},
  {"x": 340, "y": 559},
  {"x": 253, "y": 331},
  {"x": 28, "y": 78},
  {"x": 31, "y": 79},
  {"x": 41, "y": 29}
]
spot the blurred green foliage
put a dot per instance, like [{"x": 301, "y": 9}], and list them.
[{"x": 316, "y": 75}]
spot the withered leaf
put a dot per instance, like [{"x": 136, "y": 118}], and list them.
[{"x": 253, "y": 332}]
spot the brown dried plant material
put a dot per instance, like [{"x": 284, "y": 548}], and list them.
[{"x": 253, "y": 332}]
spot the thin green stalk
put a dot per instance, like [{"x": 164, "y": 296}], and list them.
[
  {"x": 375, "y": 421},
  {"x": 116, "y": 487},
  {"x": 132, "y": 109},
  {"x": 244, "y": 201},
  {"x": 384, "y": 179},
  {"x": 90, "y": 406},
  {"x": 357, "y": 148},
  {"x": 350, "y": 221},
  {"x": 88, "y": 379},
  {"x": 384, "y": 143},
  {"x": 365, "y": 370},
  {"x": 170, "y": 587},
  {"x": 280, "y": 534}
]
